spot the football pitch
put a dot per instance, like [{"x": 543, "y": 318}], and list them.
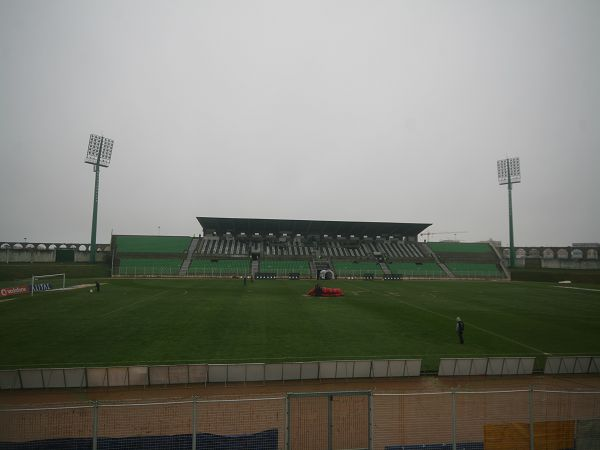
[{"x": 224, "y": 321}]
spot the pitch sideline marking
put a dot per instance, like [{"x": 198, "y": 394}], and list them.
[
  {"x": 578, "y": 289},
  {"x": 506, "y": 338}
]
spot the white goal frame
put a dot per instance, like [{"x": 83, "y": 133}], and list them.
[{"x": 39, "y": 277}]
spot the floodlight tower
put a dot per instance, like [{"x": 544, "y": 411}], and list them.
[
  {"x": 509, "y": 172},
  {"x": 98, "y": 154}
]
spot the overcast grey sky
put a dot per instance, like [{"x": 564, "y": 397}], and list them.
[{"x": 367, "y": 110}]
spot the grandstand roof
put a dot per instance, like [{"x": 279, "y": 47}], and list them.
[{"x": 221, "y": 225}]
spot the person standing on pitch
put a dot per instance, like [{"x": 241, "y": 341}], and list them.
[
  {"x": 460, "y": 329},
  {"x": 97, "y": 286}
]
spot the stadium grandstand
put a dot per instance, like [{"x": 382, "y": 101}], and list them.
[{"x": 275, "y": 248}]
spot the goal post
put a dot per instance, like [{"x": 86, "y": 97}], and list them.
[{"x": 44, "y": 284}]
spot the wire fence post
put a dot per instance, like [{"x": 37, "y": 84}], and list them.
[
  {"x": 194, "y": 405},
  {"x": 370, "y": 400},
  {"x": 453, "y": 419},
  {"x": 287, "y": 423},
  {"x": 95, "y": 404},
  {"x": 330, "y": 422},
  {"x": 531, "y": 421}
]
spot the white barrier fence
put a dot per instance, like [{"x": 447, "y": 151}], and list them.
[
  {"x": 205, "y": 373},
  {"x": 293, "y": 371},
  {"x": 486, "y": 366},
  {"x": 572, "y": 364}
]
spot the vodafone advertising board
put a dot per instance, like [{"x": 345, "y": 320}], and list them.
[{"x": 5, "y": 292}]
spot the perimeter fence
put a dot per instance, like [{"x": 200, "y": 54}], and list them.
[
  {"x": 347, "y": 274},
  {"x": 508, "y": 419}
]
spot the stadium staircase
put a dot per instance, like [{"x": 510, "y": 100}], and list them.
[
  {"x": 501, "y": 263},
  {"x": 384, "y": 267},
  {"x": 188, "y": 260},
  {"x": 255, "y": 267},
  {"x": 442, "y": 265}
]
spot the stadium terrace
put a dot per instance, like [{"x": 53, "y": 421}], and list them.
[{"x": 275, "y": 248}]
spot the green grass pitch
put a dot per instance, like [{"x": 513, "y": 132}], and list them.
[{"x": 217, "y": 321}]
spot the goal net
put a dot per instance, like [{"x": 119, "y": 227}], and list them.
[{"x": 40, "y": 283}]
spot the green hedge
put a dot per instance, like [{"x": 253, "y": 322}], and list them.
[
  {"x": 555, "y": 275},
  {"x": 23, "y": 271}
]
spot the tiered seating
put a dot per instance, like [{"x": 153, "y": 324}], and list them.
[
  {"x": 288, "y": 249},
  {"x": 219, "y": 267},
  {"x": 335, "y": 249},
  {"x": 357, "y": 252},
  {"x": 285, "y": 267},
  {"x": 152, "y": 244},
  {"x": 369, "y": 248},
  {"x": 356, "y": 269},
  {"x": 401, "y": 249},
  {"x": 225, "y": 247},
  {"x": 214, "y": 246},
  {"x": 365, "y": 250},
  {"x": 149, "y": 266},
  {"x": 150, "y": 255},
  {"x": 300, "y": 250},
  {"x": 474, "y": 270},
  {"x": 460, "y": 247},
  {"x": 410, "y": 269},
  {"x": 468, "y": 260}
]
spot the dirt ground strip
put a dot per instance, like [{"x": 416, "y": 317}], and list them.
[{"x": 11, "y": 398}]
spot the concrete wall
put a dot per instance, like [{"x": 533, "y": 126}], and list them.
[
  {"x": 582, "y": 257},
  {"x": 46, "y": 256},
  {"x": 555, "y": 264},
  {"x": 569, "y": 264},
  {"x": 27, "y": 256}
]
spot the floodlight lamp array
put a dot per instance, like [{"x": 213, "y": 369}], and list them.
[
  {"x": 99, "y": 146},
  {"x": 508, "y": 166}
]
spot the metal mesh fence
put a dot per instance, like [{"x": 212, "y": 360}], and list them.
[
  {"x": 350, "y": 422},
  {"x": 52, "y": 423},
  {"x": 565, "y": 420},
  {"x": 308, "y": 423},
  {"x": 149, "y": 426},
  {"x": 481, "y": 419},
  {"x": 257, "y": 423},
  {"x": 401, "y": 420},
  {"x": 335, "y": 420},
  {"x": 496, "y": 420}
]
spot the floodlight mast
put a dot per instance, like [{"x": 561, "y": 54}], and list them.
[
  {"x": 511, "y": 233},
  {"x": 99, "y": 153},
  {"x": 509, "y": 172}
]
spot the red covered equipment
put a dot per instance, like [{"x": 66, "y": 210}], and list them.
[{"x": 326, "y": 292}]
